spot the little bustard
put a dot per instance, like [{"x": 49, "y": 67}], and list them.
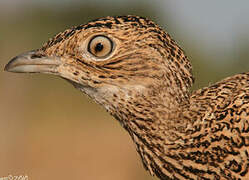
[{"x": 138, "y": 73}]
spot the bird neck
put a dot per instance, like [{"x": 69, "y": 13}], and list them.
[{"x": 153, "y": 120}]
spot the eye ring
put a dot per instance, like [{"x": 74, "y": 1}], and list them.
[{"x": 100, "y": 46}]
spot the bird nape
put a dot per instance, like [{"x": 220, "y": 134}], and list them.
[{"x": 138, "y": 73}]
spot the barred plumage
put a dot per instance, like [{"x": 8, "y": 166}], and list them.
[{"x": 133, "y": 68}]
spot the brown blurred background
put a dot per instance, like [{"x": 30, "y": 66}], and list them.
[{"x": 49, "y": 130}]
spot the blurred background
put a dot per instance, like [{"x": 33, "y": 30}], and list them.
[{"x": 49, "y": 130}]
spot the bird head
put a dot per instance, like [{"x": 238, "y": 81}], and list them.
[{"x": 111, "y": 56}]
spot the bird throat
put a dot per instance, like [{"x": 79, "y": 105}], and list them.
[{"x": 152, "y": 119}]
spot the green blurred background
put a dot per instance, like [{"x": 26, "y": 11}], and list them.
[{"x": 49, "y": 130}]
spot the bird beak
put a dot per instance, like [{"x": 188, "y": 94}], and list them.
[{"x": 33, "y": 62}]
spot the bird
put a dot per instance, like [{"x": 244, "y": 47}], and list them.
[{"x": 141, "y": 76}]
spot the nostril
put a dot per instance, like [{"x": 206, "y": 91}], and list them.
[{"x": 34, "y": 56}]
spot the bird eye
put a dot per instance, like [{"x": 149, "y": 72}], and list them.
[{"x": 100, "y": 46}]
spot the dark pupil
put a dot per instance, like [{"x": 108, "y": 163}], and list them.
[{"x": 99, "y": 47}]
